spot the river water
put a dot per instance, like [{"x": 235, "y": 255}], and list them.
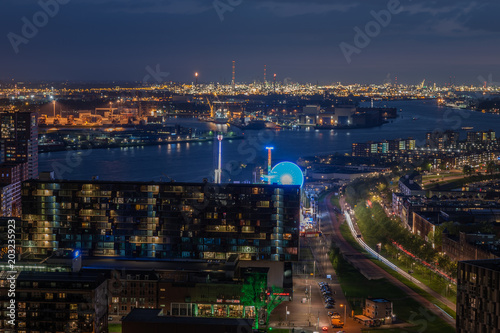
[{"x": 191, "y": 162}]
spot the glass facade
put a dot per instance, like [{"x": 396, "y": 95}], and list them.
[
  {"x": 213, "y": 310},
  {"x": 162, "y": 220}
]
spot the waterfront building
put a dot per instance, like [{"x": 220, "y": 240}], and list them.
[
  {"x": 442, "y": 140},
  {"x": 19, "y": 140},
  {"x": 162, "y": 220},
  {"x": 19, "y": 156},
  {"x": 481, "y": 136},
  {"x": 383, "y": 148}
]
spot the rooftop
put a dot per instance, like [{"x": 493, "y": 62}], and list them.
[
  {"x": 60, "y": 276},
  {"x": 491, "y": 264},
  {"x": 156, "y": 316},
  {"x": 133, "y": 183},
  {"x": 379, "y": 300},
  {"x": 150, "y": 265}
]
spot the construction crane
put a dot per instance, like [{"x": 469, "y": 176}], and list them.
[
  {"x": 212, "y": 110},
  {"x": 422, "y": 84}
]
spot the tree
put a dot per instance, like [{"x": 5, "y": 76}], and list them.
[
  {"x": 467, "y": 170},
  {"x": 252, "y": 294},
  {"x": 436, "y": 237},
  {"x": 273, "y": 300},
  {"x": 451, "y": 227},
  {"x": 491, "y": 167}
]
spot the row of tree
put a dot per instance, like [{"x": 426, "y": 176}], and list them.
[{"x": 379, "y": 228}]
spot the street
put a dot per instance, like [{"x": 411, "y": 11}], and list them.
[
  {"x": 307, "y": 312},
  {"x": 370, "y": 266}
]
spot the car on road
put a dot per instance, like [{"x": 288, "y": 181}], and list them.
[
  {"x": 337, "y": 323},
  {"x": 335, "y": 315},
  {"x": 324, "y": 328},
  {"x": 329, "y": 306}
]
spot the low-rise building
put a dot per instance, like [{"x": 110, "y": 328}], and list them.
[
  {"x": 379, "y": 309},
  {"x": 410, "y": 185},
  {"x": 58, "y": 302},
  {"x": 471, "y": 247},
  {"x": 131, "y": 289}
]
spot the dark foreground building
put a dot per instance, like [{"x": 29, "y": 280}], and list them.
[
  {"x": 153, "y": 321},
  {"x": 57, "y": 302},
  {"x": 162, "y": 220},
  {"x": 478, "y": 298}
]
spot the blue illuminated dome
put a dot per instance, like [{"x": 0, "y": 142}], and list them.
[{"x": 287, "y": 173}]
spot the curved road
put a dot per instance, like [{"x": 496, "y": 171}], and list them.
[{"x": 331, "y": 217}]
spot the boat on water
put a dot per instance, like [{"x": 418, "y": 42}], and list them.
[
  {"x": 415, "y": 118},
  {"x": 467, "y": 128},
  {"x": 258, "y": 125},
  {"x": 456, "y": 105},
  {"x": 221, "y": 121}
]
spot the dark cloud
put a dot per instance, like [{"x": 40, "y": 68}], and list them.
[{"x": 118, "y": 39}]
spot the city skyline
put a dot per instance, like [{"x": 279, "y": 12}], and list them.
[
  {"x": 302, "y": 42},
  {"x": 249, "y": 166}
]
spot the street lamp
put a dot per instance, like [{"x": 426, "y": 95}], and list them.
[{"x": 345, "y": 312}]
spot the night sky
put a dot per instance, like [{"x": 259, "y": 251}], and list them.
[{"x": 96, "y": 40}]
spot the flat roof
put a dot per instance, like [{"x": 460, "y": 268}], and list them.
[
  {"x": 153, "y": 264},
  {"x": 155, "y": 316},
  {"x": 115, "y": 182},
  {"x": 379, "y": 300},
  {"x": 491, "y": 264},
  {"x": 61, "y": 276}
]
